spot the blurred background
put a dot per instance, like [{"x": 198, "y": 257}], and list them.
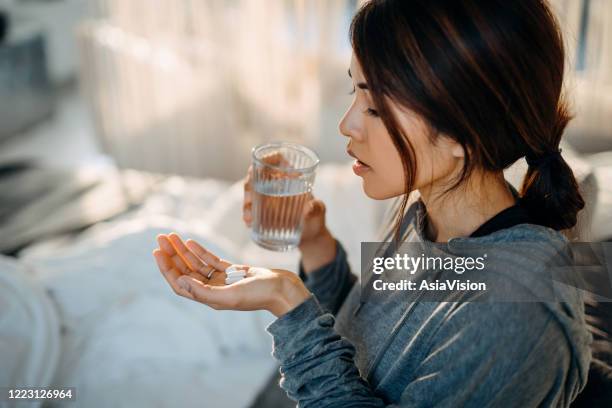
[
  {"x": 179, "y": 80},
  {"x": 123, "y": 119}
]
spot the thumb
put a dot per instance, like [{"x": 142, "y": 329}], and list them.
[
  {"x": 314, "y": 209},
  {"x": 317, "y": 208}
]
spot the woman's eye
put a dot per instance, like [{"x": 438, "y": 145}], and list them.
[
  {"x": 371, "y": 112},
  {"x": 352, "y": 91}
]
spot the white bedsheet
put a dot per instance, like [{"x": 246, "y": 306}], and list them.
[{"x": 128, "y": 341}]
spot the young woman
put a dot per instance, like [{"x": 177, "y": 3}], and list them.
[{"x": 447, "y": 95}]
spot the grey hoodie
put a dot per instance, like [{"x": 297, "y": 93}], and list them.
[{"x": 336, "y": 351}]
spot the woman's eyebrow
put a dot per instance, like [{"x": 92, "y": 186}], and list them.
[{"x": 361, "y": 85}]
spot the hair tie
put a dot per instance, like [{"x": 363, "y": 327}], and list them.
[{"x": 539, "y": 161}]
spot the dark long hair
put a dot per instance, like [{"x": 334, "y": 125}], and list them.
[{"x": 488, "y": 74}]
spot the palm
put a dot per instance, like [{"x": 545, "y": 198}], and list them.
[
  {"x": 217, "y": 279},
  {"x": 206, "y": 275}
]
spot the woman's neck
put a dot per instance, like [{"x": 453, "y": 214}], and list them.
[{"x": 461, "y": 211}]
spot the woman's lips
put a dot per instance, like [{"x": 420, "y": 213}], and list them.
[{"x": 359, "y": 167}]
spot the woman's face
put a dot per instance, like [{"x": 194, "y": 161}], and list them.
[{"x": 379, "y": 163}]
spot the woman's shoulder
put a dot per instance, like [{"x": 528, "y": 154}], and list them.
[
  {"x": 527, "y": 245},
  {"x": 526, "y": 232}
]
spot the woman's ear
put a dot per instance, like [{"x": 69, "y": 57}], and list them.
[
  {"x": 451, "y": 146},
  {"x": 457, "y": 150}
]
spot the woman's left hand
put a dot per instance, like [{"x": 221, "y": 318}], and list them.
[{"x": 187, "y": 265}]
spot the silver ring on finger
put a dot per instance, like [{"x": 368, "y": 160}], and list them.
[{"x": 203, "y": 272}]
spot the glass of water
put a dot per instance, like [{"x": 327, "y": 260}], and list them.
[{"x": 283, "y": 175}]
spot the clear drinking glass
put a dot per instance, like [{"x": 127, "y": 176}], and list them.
[{"x": 283, "y": 175}]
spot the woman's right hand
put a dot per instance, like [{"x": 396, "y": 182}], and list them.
[{"x": 316, "y": 244}]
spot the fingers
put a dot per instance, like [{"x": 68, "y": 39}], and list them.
[
  {"x": 249, "y": 178},
  {"x": 169, "y": 273},
  {"x": 193, "y": 262},
  {"x": 319, "y": 207},
  {"x": 207, "y": 256},
  {"x": 309, "y": 203},
  {"x": 247, "y": 216},
  {"x": 314, "y": 208},
  {"x": 168, "y": 248},
  {"x": 275, "y": 159},
  {"x": 247, "y": 208}
]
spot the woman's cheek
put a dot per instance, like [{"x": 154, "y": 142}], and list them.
[{"x": 384, "y": 182}]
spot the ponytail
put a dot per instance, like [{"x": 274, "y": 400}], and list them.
[{"x": 550, "y": 191}]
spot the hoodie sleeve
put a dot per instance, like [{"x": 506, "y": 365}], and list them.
[
  {"x": 331, "y": 282},
  {"x": 316, "y": 363},
  {"x": 509, "y": 355}
]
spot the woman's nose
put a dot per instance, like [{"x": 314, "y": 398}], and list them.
[{"x": 349, "y": 126}]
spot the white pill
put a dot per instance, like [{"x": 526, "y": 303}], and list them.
[
  {"x": 229, "y": 281},
  {"x": 232, "y": 268},
  {"x": 236, "y": 273}
]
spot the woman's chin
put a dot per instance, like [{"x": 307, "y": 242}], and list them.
[{"x": 376, "y": 191}]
